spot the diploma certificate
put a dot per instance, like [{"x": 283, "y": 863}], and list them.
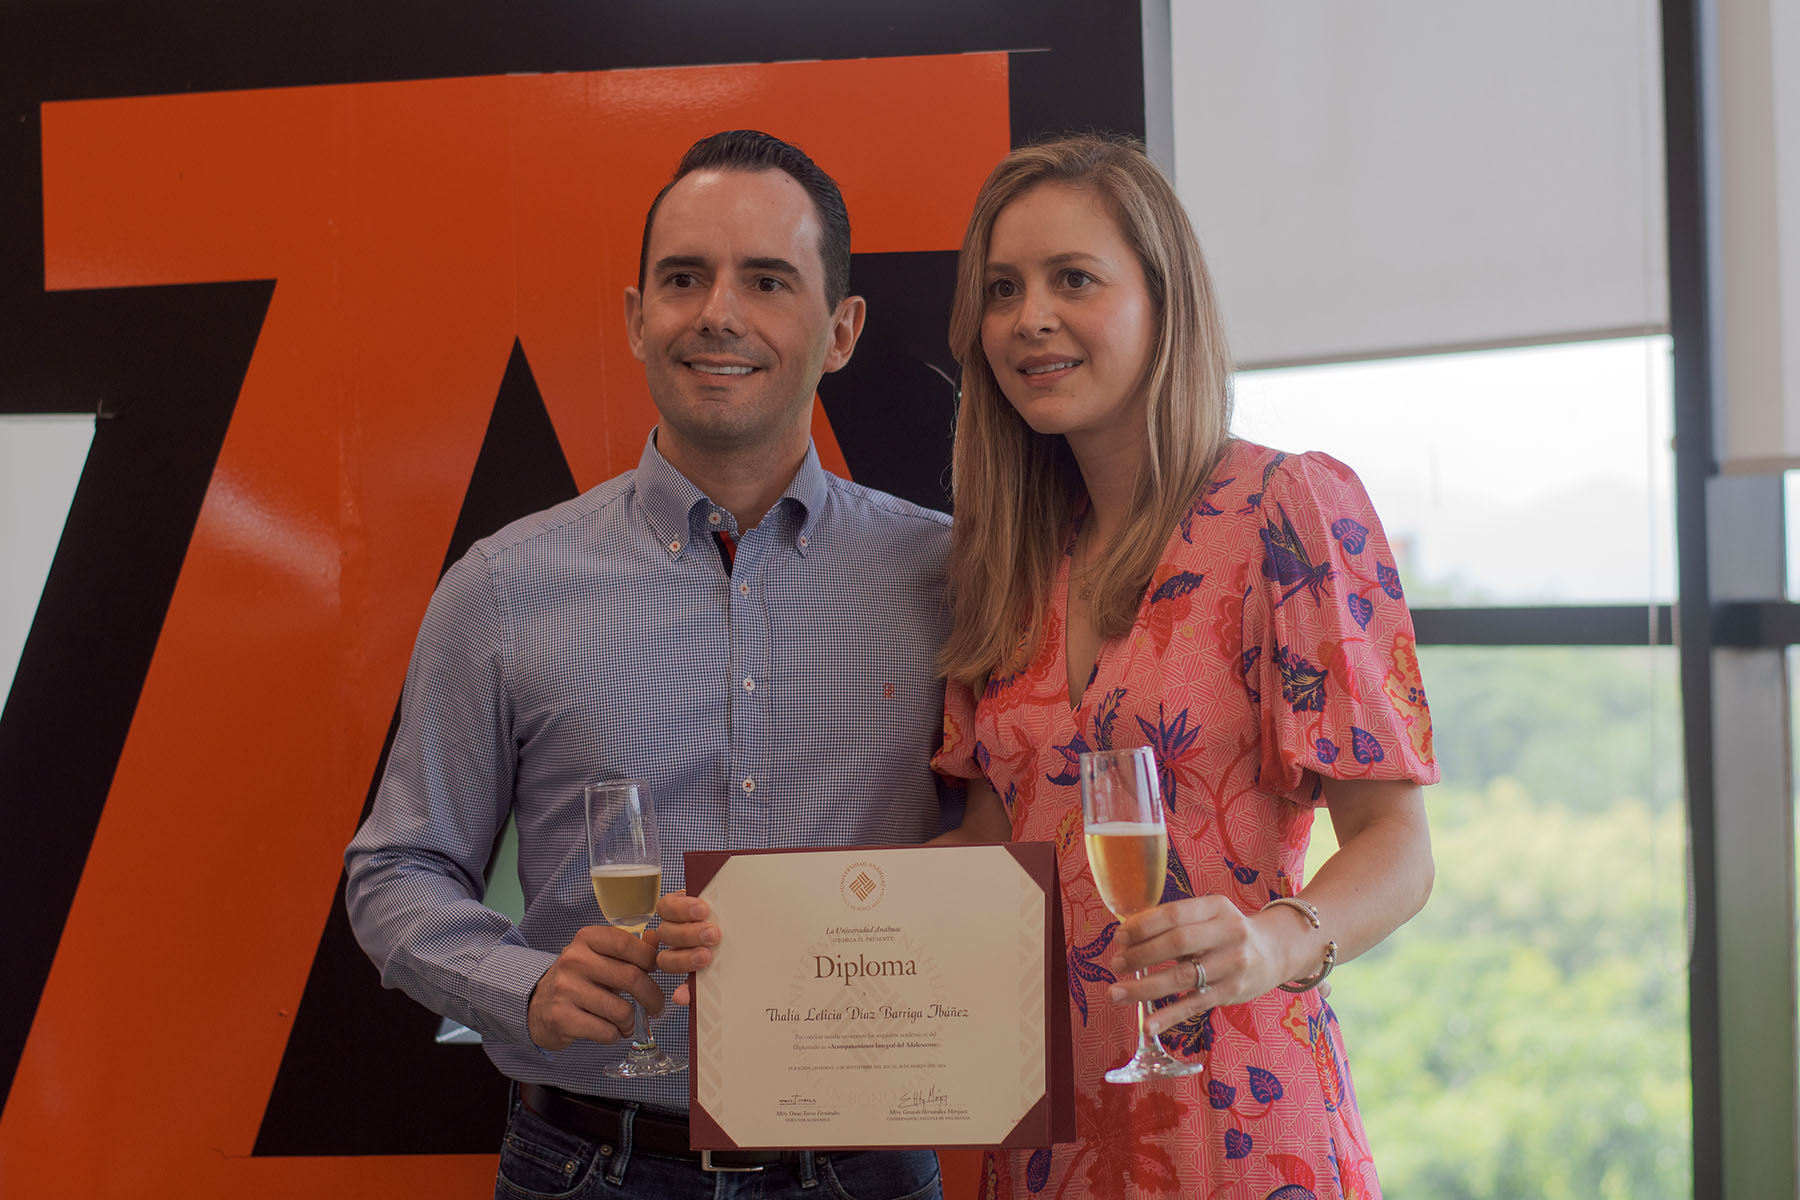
[{"x": 888, "y": 997}]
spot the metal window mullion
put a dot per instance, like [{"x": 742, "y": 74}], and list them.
[{"x": 1734, "y": 700}]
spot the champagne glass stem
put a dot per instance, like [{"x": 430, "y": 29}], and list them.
[
  {"x": 1148, "y": 1046},
  {"x": 643, "y": 1042},
  {"x": 1151, "y": 1061}
]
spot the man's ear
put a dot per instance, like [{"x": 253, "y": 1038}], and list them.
[
  {"x": 634, "y": 322},
  {"x": 846, "y": 327}
]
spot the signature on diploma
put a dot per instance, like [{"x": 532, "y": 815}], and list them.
[
  {"x": 793, "y": 1100},
  {"x": 929, "y": 1100}
]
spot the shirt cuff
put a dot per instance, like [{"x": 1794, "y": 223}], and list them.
[{"x": 500, "y": 990}]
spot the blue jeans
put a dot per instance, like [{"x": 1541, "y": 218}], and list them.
[{"x": 540, "y": 1161}]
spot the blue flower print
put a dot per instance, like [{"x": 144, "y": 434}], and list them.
[
  {"x": 1104, "y": 716},
  {"x": 1203, "y": 507},
  {"x": 1302, "y": 684},
  {"x": 1351, "y": 534},
  {"x": 1084, "y": 966},
  {"x": 1365, "y": 747},
  {"x": 1071, "y": 753},
  {"x": 1178, "y": 584},
  {"x": 1171, "y": 740}
]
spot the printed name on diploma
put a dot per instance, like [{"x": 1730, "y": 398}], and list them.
[{"x": 886, "y": 1012}]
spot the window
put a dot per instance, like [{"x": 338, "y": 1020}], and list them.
[{"x": 1534, "y": 476}]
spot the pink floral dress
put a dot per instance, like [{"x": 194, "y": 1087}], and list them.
[{"x": 1273, "y": 647}]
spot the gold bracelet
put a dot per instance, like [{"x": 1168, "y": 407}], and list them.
[
  {"x": 1314, "y": 980},
  {"x": 1303, "y": 907},
  {"x": 1306, "y": 909}
]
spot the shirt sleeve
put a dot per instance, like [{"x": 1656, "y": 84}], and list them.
[
  {"x": 1330, "y": 640},
  {"x": 955, "y": 759},
  {"x": 416, "y": 868}
]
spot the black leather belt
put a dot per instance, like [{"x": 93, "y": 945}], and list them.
[{"x": 603, "y": 1121}]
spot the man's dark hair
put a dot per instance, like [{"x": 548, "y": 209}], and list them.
[{"x": 750, "y": 150}]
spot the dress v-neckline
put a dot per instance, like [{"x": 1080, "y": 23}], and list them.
[{"x": 1065, "y": 665}]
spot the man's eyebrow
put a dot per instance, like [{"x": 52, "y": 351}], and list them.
[
  {"x": 780, "y": 266},
  {"x": 679, "y": 262}
]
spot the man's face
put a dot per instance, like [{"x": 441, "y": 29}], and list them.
[{"x": 732, "y": 325}]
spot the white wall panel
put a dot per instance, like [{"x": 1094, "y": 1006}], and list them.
[
  {"x": 1755, "y": 60},
  {"x": 40, "y": 463}
]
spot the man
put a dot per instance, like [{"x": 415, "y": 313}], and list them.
[{"x": 750, "y": 636}]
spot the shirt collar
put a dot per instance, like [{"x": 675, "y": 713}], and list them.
[{"x": 677, "y": 509}]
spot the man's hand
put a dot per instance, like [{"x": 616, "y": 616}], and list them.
[
  {"x": 687, "y": 935},
  {"x": 578, "y": 996}
]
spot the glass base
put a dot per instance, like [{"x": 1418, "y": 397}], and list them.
[
  {"x": 1157, "y": 1064},
  {"x": 644, "y": 1062}
]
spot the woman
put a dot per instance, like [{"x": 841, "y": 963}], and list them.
[{"x": 1126, "y": 573}]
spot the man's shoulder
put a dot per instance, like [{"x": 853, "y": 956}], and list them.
[
  {"x": 891, "y": 514},
  {"x": 581, "y": 516}
]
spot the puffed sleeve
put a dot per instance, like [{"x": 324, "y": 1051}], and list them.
[
  {"x": 1326, "y": 627},
  {"x": 955, "y": 759}
]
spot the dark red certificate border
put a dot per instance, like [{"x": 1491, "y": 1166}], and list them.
[{"x": 1050, "y": 1120}]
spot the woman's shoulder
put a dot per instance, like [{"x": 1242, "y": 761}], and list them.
[{"x": 1310, "y": 476}]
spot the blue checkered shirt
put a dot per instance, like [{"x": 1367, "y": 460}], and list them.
[{"x": 789, "y": 701}]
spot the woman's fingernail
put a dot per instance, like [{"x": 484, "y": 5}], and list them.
[{"x": 1115, "y": 994}]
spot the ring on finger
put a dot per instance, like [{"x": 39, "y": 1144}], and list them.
[{"x": 1199, "y": 974}]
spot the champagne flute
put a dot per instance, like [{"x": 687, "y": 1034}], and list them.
[
  {"x": 1127, "y": 849},
  {"x": 625, "y": 864}
]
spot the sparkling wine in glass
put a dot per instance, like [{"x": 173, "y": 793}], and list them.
[
  {"x": 625, "y": 864},
  {"x": 1127, "y": 849}
]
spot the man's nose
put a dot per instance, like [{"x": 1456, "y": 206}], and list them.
[{"x": 721, "y": 314}]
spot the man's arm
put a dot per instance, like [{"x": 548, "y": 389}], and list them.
[{"x": 416, "y": 867}]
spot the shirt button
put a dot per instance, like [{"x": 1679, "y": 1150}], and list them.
[
  {"x": 803, "y": 543},
  {"x": 749, "y": 785},
  {"x": 744, "y": 589},
  {"x": 714, "y": 518},
  {"x": 749, "y": 684},
  {"x": 674, "y": 547}
]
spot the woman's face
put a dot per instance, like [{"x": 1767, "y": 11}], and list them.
[{"x": 1067, "y": 320}]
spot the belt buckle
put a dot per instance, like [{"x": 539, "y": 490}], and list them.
[{"x": 706, "y": 1164}]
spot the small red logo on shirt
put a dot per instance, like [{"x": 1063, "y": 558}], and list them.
[{"x": 887, "y": 691}]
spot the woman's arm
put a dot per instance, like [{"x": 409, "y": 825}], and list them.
[
  {"x": 984, "y": 819},
  {"x": 1378, "y": 878}
]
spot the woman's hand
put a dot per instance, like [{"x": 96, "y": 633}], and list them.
[
  {"x": 1239, "y": 956},
  {"x": 1378, "y": 878}
]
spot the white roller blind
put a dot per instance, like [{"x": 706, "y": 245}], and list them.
[
  {"x": 1385, "y": 177},
  {"x": 1755, "y": 64}
]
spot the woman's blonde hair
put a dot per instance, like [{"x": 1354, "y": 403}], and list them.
[{"x": 1013, "y": 488}]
